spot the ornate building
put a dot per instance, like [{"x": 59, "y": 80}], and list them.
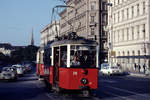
[
  {"x": 129, "y": 33},
  {"x": 88, "y": 18}
]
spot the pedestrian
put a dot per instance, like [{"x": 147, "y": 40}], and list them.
[
  {"x": 144, "y": 68},
  {"x": 139, "y": 68},
  {"x": 135, "y": 66}
]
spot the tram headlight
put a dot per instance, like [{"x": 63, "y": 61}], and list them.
[{"x": 84, "y": 81}]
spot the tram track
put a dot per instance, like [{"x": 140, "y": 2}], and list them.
[{"x": 131, "y": 95}]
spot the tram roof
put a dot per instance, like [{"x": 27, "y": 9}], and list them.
[
  {"x": 72, "y": 38},
  {"x": 77, "y": 41}
]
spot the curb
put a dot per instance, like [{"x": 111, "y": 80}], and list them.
[{"x": 139, "y": 75}]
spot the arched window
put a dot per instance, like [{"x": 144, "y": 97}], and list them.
[
  {"x": 133, "y": 55},
  {"x": 128, "y": 59},
  {"x": 123, "y": 54}
]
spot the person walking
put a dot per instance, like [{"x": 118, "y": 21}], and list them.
[
  {"x": 139, "y": 68},
  {"x": 144, "y": 68},
  {"x": 135, "y": 66}
]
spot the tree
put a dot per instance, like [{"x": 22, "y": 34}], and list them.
[
  {"x": 24, "y": 54},
  {"x": 2, "y": 56}
]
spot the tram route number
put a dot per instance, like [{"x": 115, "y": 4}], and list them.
[{"x": 75, "y": 73}]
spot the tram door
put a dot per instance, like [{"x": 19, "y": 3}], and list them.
[{"x": 56, "y": 65}]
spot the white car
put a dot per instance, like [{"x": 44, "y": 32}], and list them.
[
  {"x": 20, "y": 69},
  {"x": 8, "y": 73},
  {"x": 110, "y": 70}
]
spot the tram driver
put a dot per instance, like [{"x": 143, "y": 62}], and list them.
[{"x": 75, "y": 61}]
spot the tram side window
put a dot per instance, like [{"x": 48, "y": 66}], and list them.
[
  {"x": 47, "y": 60},
  {"x": 63, "y": 56}
]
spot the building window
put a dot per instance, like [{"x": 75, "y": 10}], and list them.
[
  {"x": 118, "y": 35},
  {"x": 123, "y": 55},
  {"x": 132, "y": 33},
  {"x": 138, "y": 10},
  {"x": 122, "y": 14},
  {"x": 133, "y": 54},
  {"x": 114, "y": 2},
  {"x": 127, "y": 13},
  {"x": 118, "y": 1},
  {"x": 128, "y": 57},
  {"x": 92, "y": 19},
  {"x": 118, "y": 16},
  {"x": 139, "y": 55},
  {"x": 132, "y": 11},
  {"x": 143, "y": 7},
  {"x": 123, "y": 34},
  {"x": 92, "y": 31},
  {"x": 114, "y": 36},
  {"x": 114, "y": 18},
  {"x": 138, "y": 33},
  {"x": 143, "y": 31},
  {"x": 127, "y": 33}
]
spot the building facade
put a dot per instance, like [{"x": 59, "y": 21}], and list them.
[
  {"x": 129, "y": 33},
  {"x": 49, "y": 32},
  {"x": 85, "y": 17}
]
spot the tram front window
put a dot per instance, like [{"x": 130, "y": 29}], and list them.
[{"x": 83, "y": 56}]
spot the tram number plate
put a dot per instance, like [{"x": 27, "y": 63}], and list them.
[{"x": 75, "y": 73}]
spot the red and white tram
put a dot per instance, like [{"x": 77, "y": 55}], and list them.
[{"x": 71, "y": 64}]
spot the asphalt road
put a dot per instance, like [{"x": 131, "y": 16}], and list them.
[
  {"x": 124, "y": 88},
  {"x": 29, "y": 87}
]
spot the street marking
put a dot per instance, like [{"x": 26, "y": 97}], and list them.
[
  {"x": 50, "y": 97},
  {"x": 126, "y": 98},
  {"x": 128, "y": 91},
  {"x": 108, "y": 81}
]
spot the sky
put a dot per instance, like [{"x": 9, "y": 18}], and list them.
[{"x": 18, "y": 17}]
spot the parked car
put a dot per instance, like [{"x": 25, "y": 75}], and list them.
[
  {"x": 8, "y": 73},
  {"x": 106, "y": 69},
  {"x": 20, "y": 69}
]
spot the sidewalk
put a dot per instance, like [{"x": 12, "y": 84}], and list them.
[{"x": 139, "y": 74}]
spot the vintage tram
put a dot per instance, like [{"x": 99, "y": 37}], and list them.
[
  {"x": 70, "y": 63},
  {"x": 40, "y": 63}
]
